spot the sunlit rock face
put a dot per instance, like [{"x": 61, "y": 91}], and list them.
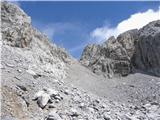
[
  {"x": 134, "y": 49},
  {"x": 31, "y": 48},
  {"x": 16, "y": 26}
]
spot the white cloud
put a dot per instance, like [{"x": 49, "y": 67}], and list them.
[{"x": 135, "y": 21}]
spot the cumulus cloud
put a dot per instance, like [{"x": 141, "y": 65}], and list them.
[{"x": 135, "y": 21}]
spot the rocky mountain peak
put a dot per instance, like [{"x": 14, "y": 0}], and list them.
[
  {"x": 150, "y": 29},
  {"x": 134, "y": 49}
]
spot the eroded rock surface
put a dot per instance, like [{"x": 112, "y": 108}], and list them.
[
  {"x": 134, "y": 49},
  {"x": 147, "y": 53},
  {"x": 113, "y": 56}
]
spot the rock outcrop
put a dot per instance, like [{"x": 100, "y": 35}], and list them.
[
  {"x": 16, "y": 26},
  {"x": 147, "y": 52},
  {"x": 134, "y": 49},
  {"x": 28, "y": 46}
]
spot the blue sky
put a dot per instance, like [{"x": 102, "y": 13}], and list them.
[{"x": 73, "y": 25}]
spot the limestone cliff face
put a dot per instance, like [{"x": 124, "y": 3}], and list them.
[
  {"x": 132, "y": 49},
  {"x": 147, "y": 52}
]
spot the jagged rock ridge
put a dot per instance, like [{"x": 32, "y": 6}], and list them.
[{"x": 134, "y": 49}]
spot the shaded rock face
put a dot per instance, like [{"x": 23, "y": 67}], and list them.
[
  {"x": 147, "y": 53},
  {"x": 138, "y": 49}
]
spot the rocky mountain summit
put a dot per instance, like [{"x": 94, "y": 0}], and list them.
[
  {"x": 130, "y": 51},
  {"x": 40, "y": 81}
]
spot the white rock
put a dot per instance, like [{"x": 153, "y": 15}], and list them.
[
  {"x": 82, "y": 105},
  {"x": 104, "y": 105},
  {"x": 51, "y": 92},
  {"x": 1, "y": 66},
  {"x": 58, "y": 97},
  {"x": 106, "y": 116},
  {"x": 74, "y": 112},
  {"x": 31, "y": 72},
  {"x": 57, "y": 101},
  {"x": 20, "y": 71},
  {"x": 43, "y": 100},
  {"x": 38, "y": 94},
  {"x": 66, "y": 92}
]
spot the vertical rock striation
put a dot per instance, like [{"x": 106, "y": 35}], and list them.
[
  {"x": 147, "y": 52},
  {"x": 134, "y": 49}
]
